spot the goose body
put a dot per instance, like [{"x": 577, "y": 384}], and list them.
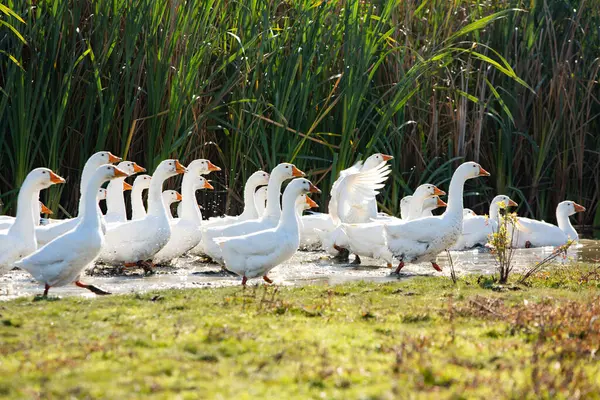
[
  {"x": 533, "y": 233},
  {"x": 185, "y": 230},
  {"x": 477, "y": 229},
  {"x": 61, "y": 261},
  {"x": 424, "y": 238},
  {"x": 47, "y": 233},
  {"x": 255, "y": 254},
  {"x": 268, "y": 220},
  {"x": 139, "y": 240},
  {"x": 19, "y": 240},
  {"x": 353, "y": 193},
  {"x": 312, "y": 226}
]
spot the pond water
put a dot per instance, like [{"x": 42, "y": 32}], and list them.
[{"x": 303, "y": 268}]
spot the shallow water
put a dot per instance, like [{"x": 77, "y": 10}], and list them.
[{"x": 303, "y": 268}]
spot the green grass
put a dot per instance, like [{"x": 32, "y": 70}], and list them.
[{"x": 421, "y": 337}]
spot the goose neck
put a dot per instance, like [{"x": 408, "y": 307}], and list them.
[
  {"x": 137, "y": 203},
  {"x": 24, "y": 221},
  {"x": 115, "y": 201},
  {"x": 189, "y": 206},
  {"x": 89, "y": 212},
  {"x": 273, "y": 195},
  {"x": 156, "y": 206},
  {"x": 249, "y": 204},
  {"x": 455, "y": 195}
]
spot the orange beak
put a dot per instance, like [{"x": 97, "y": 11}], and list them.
[
  {"x": 178, "y": 196},
  {"x": 127, "y": 186},
  {"x": 438, "y": 192},
  {"x": 512, "y": 203},
  {"x": 483, "y": 172},
  {"x": 579, "y": 208},
  {"x": 56, "y": 179},
  {"x": 119, "y": 173},
  {"x": 212, "y": 167},
  {"x": 113, "y": 159},
  {"x": 441, "y": 203},
  {"x": 207, "y": 185},
  {"x": 45, "y": 210},
  {"x": 180, "y": 169},
  {"x": 314, "y": 189},
  {"x": 296, "y": 172},
  {"x": 137, "y": 169},
  {"x": 387, "y": 157},
  {"x": 311, "y": 203}
]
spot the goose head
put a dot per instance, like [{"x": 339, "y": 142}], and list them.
[
  {"x": 568, "y": 208},
  {"x": 170, "y": 197},
  {"x": 259, "y": 178},
  {"x": 427, "y": 190},
  {"x": 108, "y": 172},
  {"x": 202, "y": 167},
  {"x": 504, "y": 201},
  {"x": 470, "y": 170},
  {"x": 43, "y": 178},
  {"x": 169, "y": 168},
  {"x": 202, "y": 183},
  {"x": 467, "y": 212},
  {"x": 305, "y": 203},
  {"x": 301, "y": 186},
  {"x": 286, "y": 171},
  {"x": 130, "y": 167},
  {"x": 101, "y": 194},
  {"x": 433, "y": 202},
  {"x": 376, "y": 159},
  {"x": 142, "y": 182},
  {"x": 103, "y": 157}
]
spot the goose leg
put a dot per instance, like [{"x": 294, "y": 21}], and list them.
[
  {"x": 92, "y": 288},
  {"x": 267, "y": 279},
  {"x": 356, "y": 259},
  {"x": 436, "y": 267},
  {"x": 244, "y": 280},
  {"x": 46, "y": 288},
  {"x": 400, "y": 266}
]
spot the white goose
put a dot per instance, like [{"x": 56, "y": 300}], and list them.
[
  {"x": 115, "y": 200},
  {"x": 353, "y": 193},
  {"x": 268, "y": 220},
  {"x": 61, "y": 261},
  {"x": 47, "y": 233},
  {"x": 141, "y": 183},
  {"x": 416, "y": 203},
  {"x": 185, "y": 230},
  {"x": 19, "y": 241},
  {"x": 424, "y": 238},
  {"x": 169, "y": 197},
  {"x": 135, "y": 242},
  {"x": 477, "y": 229},
  {"x": 368, "y": 239},
  {"x": 255, "y": 254},
  {"x": 532, "y": 233}
]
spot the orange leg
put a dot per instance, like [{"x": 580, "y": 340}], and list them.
[
  {"x": 244, "y": 280},
  {"x": 400, "y": 266},
  {"x": 436, "y": 267},
  {"x": 389, "y": 265},
  {"x": 92, "y": 288},
  {"x": 267, "y": 279},
  {"x": 46, "y": 288}
]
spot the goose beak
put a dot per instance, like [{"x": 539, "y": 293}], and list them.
[
  {"x": 512, "y": 203},
  {"x": 180, "y": 169},
  {"x": 137, "y": 169},
  {"x": 441, "y": 203},
  {"x": 56, "y": 179},
  {"x": 113, "y": 159},
  {"x": 127, "y": 186},
  {"x": 119, "y": 173},
  {"x": 296, "y": 173},
  {"x": 438, "y": 192},
  {"x": 178, "y": 196},
  {"x": 311, "y": 203},
  {"x": 578, "y": 208},
  {"x": 45, "y": 210},
  {"x": 387, "y": 157},
  {"x": 212, "y": 167},
  {"x": 483, "y": 172},
  {"x": 313, "y": 189},
  {"x": 207, "y": 185}
]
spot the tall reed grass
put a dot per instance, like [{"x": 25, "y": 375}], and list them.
[{"x": 512, "y": 84}]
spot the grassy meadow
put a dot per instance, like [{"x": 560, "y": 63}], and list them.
[
  {"x": 417, "y": 338},
  {"x": 512, "y": 84}
]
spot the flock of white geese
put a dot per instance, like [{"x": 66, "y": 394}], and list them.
[{"x": 268, "y": 232}]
